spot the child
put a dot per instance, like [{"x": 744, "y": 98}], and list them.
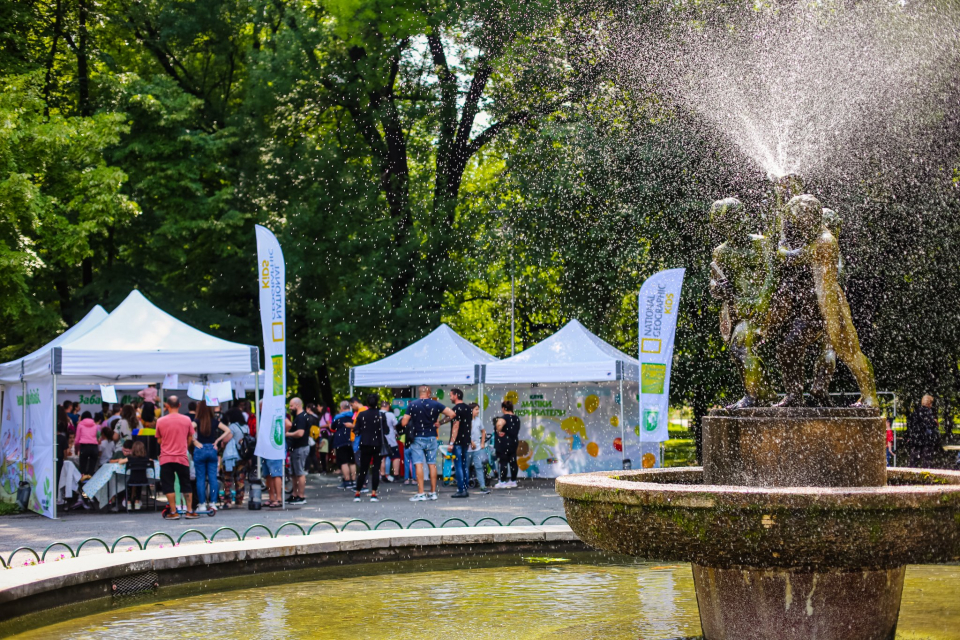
[
  {"x": 137, "y": 465},
  {"x": 107, "y": 445}
]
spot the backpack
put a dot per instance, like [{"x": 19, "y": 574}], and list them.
[{"x": 247, "y": 444}]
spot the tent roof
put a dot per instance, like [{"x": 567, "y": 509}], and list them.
[
  {"x": 440, "y": 357},
  {"x": 572, "y": 354},
  {"x": 140, "y": 341},
  {"x": 37, "y": 362}
]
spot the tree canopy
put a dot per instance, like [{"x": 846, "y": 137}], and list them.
[{"x": 412, "y": 157}]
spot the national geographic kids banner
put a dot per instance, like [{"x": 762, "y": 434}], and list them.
[
  {"x": 271, "y": 439},
  {"x": 39, "y": 447},
  {"x": 659, "y": 303},
  {"x": 10, "y": 441},
  {"x": 569, "y": 428}
]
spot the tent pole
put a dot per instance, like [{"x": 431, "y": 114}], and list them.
[
  {"x": 56, "y": 480},
  {"x": 23, "y": 430},
  {"x": 256, "y": 413},
  {"x": 623, "y": 438}
]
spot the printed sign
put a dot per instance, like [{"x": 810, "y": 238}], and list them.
[{"x": 659, "y": 302}]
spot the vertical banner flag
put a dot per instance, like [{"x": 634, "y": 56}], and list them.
[
  {"x": 659, "y": 302},
  {"x": 39, "y": 447},
  {"x": 271, "y": 441}
]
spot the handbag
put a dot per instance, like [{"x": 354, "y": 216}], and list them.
[{"x": 384, "y": 445}]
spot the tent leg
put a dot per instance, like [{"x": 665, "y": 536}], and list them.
[
  {"x": 623, "y": 438},
  {"x": 56, "y": 480},
  {"x": 256, "y": 411},
  {"x": 23, "y": 431},
  {"x": 161, "y": 390}
]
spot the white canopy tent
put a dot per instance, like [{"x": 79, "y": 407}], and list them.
[
  {"x": 137, "y": 343},
  {"x": 572, "y": 354},
  {"x": 39, "y": 361},
  {"x": 440, "y": 357}
]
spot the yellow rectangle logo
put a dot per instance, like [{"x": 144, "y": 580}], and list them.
[
  {"x": 650, "y": 345},
  {"x": 277, "y": 331}
]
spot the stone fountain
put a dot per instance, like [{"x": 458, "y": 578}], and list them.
[{"x": 794, "y": 526}]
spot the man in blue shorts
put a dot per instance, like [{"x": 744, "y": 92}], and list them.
[{"x": 420, "y": 422}]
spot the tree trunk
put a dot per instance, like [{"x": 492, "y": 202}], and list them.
[
  {"x": 83, "y": 71},
  {"x": 700, "y": 409},
  {"x": 326, "y": 388},
  {"x": 52, "y": 59}
]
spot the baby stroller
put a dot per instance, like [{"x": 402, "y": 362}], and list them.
[{"x": 489, "y": 469}]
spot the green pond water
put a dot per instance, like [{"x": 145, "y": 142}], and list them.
[{"x": 586, "y": 596}]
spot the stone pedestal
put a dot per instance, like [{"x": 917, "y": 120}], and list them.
[
  {"x": 777, "y": 604},
  {"x": 799, "y": 447},
  {"x": 796, "y": 447}
]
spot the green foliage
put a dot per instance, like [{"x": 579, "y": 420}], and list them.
[
  {"x": 413, "y": 157},
  {"x": 57, "y": 194}
]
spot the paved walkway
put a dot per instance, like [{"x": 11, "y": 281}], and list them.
[{"x": 535, "y": 499}]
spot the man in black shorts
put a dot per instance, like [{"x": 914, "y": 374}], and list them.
[
  {"x": 174, "y": 434},
  {"x": 342, "y": 426}
]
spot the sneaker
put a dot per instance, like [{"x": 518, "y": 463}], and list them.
[
  {"x": 191, "y": 515},
  {"x": 512, "y": 484},
  {"x": 344, "y": 484},
  {"x": 374, "y": 498},
  {"x": 356, "y": 498},
  {"x": 483, "y": 490},
  {"x": 433, "y": 495},
  {"x": 137, "y": 505},
  {"x": 297, "y": 501},
  {"x": 167, "y": 514},
  {"x": 202, "y": 507},
  {"x": 460, "y": 495},
  {"x": 420, "y": 497},
  {"x": 212, "y": 508}
]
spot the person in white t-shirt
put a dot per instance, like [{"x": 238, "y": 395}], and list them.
[
  {"x": 478, "y": 452},
  {"x": 392, "y": 443}
]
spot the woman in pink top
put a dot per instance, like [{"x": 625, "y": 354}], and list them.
[{"x": 86, "y": 444}]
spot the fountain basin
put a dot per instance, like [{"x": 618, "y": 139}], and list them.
[{"x": 668, "y": 514}]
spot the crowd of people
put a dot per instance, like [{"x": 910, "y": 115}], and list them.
[
  {"x": 207, "y": 454},
  {"x": 130, "y": 434}
]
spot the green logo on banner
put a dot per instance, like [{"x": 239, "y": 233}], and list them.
[
  {"x": 278, "y": 430},
  {"x": 277, "y": 375},
  {"x": 651, "y": 420},
  {"x": 652, "y": 378}
]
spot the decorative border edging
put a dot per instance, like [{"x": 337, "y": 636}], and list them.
[
  {"x": 86, "y": 578},
  {"x": 40, "y": 558}
]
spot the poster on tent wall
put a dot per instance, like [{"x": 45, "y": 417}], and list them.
[
  {"x": 569, "y": 428},
  {"x": 271, "y": 443},
  {"x": 39, "y": 447},
  {"x": 10, "y": 442},
  {"x": 659, "y": 303}
]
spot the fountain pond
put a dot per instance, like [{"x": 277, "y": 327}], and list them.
[{"x": 572, "y": 596}]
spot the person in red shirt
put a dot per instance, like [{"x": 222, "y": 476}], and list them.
[{"x": 174, "y": 434}]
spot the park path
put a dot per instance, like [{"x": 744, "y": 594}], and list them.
[{"x": 535, "y": 499}]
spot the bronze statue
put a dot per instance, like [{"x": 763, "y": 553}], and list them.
[
  {"x": 806, "y": 241},
  {"x": 740, "y": 278},
  {"x": 785, "y": 288}
]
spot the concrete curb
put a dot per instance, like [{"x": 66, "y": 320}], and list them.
[{"x": 33, "y": 588}]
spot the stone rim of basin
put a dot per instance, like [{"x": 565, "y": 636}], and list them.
[{"x": 664, "y": 515}]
